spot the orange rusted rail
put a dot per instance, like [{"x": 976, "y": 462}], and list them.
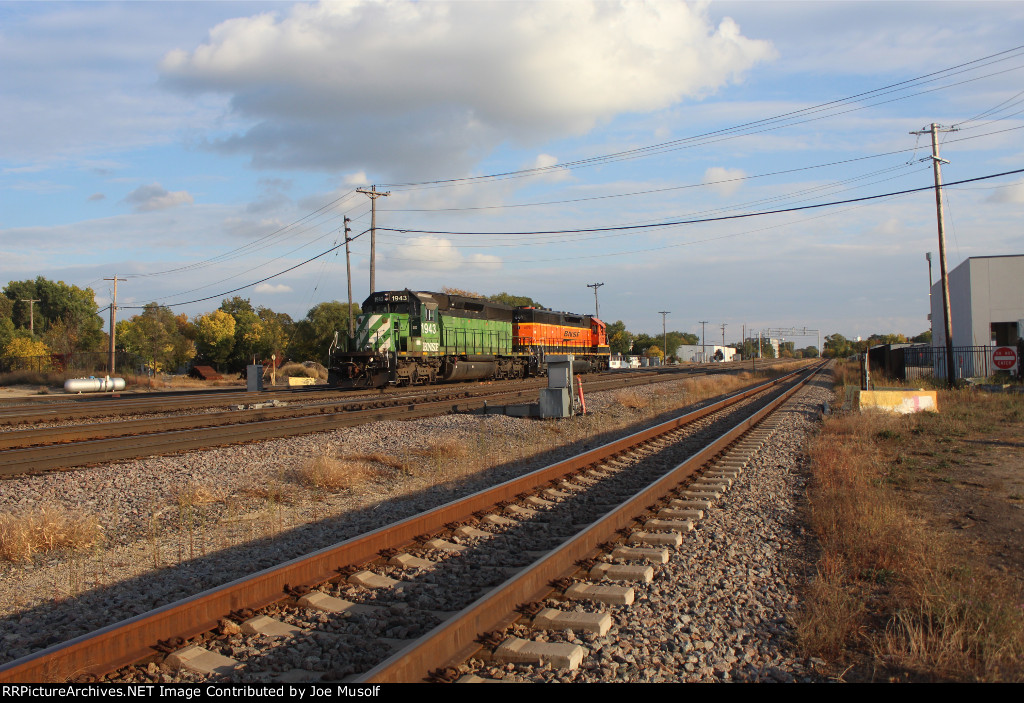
[
  {"x": 456, "y": 640},
  {"x": 132, "y": 640}
]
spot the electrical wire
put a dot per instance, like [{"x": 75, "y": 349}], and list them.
[
  {"x": 244, "y": 249},
  {"x": 864, "y": 199},
  {"x": 700, "y": 220},
  {"x": 249, "y": 285},
  {"x": 686, "y": 142}
]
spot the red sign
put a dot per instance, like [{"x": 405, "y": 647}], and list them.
[{"x": 1004, "y": 358}]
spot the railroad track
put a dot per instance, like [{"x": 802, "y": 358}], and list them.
[
  {"x": 50, "y": 409},
  {"x": 208, "y": 616},
  {"x": 57, "y": 448}
]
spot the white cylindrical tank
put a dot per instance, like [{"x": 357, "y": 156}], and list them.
[{"x": 93, "y": 384}]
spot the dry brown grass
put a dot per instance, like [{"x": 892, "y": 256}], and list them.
[
  {"x": 46, "y": 529},
  {"x": 329, "y": 472},
  {"x": 889, "y": 584},
  {"x": 192, "y": 495},
  {"x": 441, "y": 449},
  {"x": 31, "y": 378},
  {"x": 391, "y": 462},
  {"x": 272, "y": 491},
  {"x": 445, "y": 457},
  {"x": 631, "y": 399}
]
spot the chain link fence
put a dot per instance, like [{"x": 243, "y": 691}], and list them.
[{"x": 74, "y": 365}]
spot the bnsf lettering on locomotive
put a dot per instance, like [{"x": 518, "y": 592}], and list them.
[{"x": 431, "y": 346}]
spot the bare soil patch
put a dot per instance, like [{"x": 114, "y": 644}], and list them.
[{"x": 973, "y": 485}]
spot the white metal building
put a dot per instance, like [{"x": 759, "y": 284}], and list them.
[
  {"x": 693, "y": 352},
  {"x": 986, "y": 300}
]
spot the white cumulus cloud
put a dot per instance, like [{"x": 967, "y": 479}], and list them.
[
  {"x": 156, "y": 197},
  {"x": 1009, "y": 194},
  {"x": 268, "y": 288},
  {"x": 439, "y": 254},
  {"x": 429, "y": 87},
  {"x": 724, "y": 181}
]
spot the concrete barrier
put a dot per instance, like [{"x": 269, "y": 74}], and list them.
[{"x": 904, "y": 402}]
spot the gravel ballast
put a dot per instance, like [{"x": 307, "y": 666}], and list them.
[{"x": 178, "y": 525}]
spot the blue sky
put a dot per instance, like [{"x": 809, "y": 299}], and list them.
[{"x": 193, "y": 148}]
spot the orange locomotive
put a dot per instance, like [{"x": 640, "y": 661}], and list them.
[{"x": 546, "y": 332}]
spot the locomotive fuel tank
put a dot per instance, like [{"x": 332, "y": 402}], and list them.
[{"x": 465, "y": 370}]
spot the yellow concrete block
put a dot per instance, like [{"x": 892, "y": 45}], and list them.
[
  {"x": 301, "y": 381},
  {"x": 903, "y": 402}
]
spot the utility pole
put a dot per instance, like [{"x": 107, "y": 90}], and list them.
[
  {"x": 595, "y": 286},
  {"x": 373, "y": 195},
  {"x": 664, "y": 331},
  {"x": 31, "y": 313},
  {"x": 703, "y": 343},
  {"x": 723, "y": 334},
  {"x": 113, "y": 320},
  {"x": 348, "y": 275},
  {"x": 928, "y": 258},
  {"x": 934, "y": 130}
]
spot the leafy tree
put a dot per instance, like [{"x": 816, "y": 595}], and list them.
[
  {"x": 653, "y": 350},
  {"x": 63, "y": 335},
  {"x": 808, "y": 352},
  {"x": 459, "y": 291},
  {"x": 677, "y": 339},
  {"x": 314, "y": 333},
  {"x": 619, "y": 338},
  {"x": 158, "y": 336},
  {"x": 276, "y": 328},
  {"x": 749, "y": 349},
  {"x": 215, "y": 336},
  {"x": 21, "y": 349},
  {"x": 837, "y": 346},
  {"x": 248, "y": 330},
  {"x": 923, "y": 338},
  {"x": 516, "y": 301},
  {"x": 57, "y": 301},
  {"x": 6, "y": 323}
]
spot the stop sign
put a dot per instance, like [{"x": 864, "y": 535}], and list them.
[{"x": 1004, "y": 358}]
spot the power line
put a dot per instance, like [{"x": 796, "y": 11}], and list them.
[
  {"x": 265, "y": 239},
  {"x": 686, "y": 186},
  {"x": 730, "y": 217},
  {"x": 254, "y": 283},
  {"x": 705, "y": 219},
  {"x": 728, "y": 132},
  {"x": 541, "y": 239}
]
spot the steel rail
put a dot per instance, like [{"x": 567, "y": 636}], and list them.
[
  {"x": 456, "y": 639},
  {"x": 126, "y": 403},
  {"x": 132, "y": 640},
  {"x": 52, "y": 435},
  {"x": 199, "y": 433}
]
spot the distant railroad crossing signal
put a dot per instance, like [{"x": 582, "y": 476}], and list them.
[{"x": 1004, "y": 358}]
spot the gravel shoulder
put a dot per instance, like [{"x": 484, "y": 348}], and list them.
[{"x": 175, "y": 526}]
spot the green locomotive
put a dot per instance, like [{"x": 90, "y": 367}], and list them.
[{"x": 417, "y": 338}]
